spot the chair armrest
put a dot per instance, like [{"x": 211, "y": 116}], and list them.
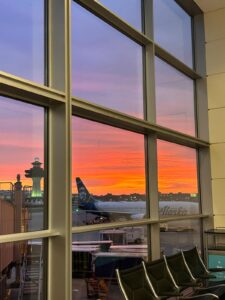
[
  {"x": 169, "y": 294},
  {"x": 216, "y": 269},
  {"x": 209, "y": 289},
  {"x": 201, "y": 297},
  {"x": 206, "y": 276},
  {"x": 189, "y": 284}
]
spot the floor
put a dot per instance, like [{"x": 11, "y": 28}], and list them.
[{"x": 97, "y": 289}]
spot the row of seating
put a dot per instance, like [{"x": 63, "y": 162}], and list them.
[{"x": 170, "y": 277}]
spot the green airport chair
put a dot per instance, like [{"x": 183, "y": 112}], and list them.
[
  {"x": 184, "y": 278},
  {"x": 134, "y": 284},
  {"x": 161, "y": 278},
  {"x": 198, "y": 268},
  {"x": 164, "y": 284},
  {"x": 180, "y": 271}
]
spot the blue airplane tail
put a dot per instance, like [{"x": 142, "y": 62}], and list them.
[{"x": 86, "y": 200}]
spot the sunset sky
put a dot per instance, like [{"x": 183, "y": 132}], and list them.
[
  {"x": 21, "y": 138},
  {"x": 111, "y": 160},
  {"x": 107, "y": 70},
  {"x": 22, "y": 38}
]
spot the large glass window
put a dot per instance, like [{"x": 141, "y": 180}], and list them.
[
  {"x": 173, "y": 29},
  {"x": 131, "y": 15},
  {"x": 180, "y": 235},
  {"x": 174, "y": 98},
  {"x": 177, "y": 180},
  {"x": 22, "y": 273},
  {"x": 97, "y": 254},
  {"x": 21, "y": 166},
  {"x": 108, "y": 173},
  {"x": 106, "y": 65},
  {"x": 22, "y": 38}
]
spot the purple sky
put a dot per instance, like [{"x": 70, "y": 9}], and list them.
[
  {"x": 107, "y": 68},
  {"x": 22, "y": 38}
]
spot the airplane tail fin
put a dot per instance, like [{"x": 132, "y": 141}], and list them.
[
  {"x": 86, "y": 201},
  {"x": 83, "y": 193}
]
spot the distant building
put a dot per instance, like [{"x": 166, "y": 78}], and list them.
[{"x": 36, "y": 173}]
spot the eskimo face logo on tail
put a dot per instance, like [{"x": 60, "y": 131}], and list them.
[
  {"x": 86, "y": 201},
  {"x": 82, "y": 194}
]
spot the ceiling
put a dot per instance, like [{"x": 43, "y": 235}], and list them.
[{"x": 209, "y": 5}]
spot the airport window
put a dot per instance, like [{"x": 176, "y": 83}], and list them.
[
  {"x": 174, "y": 98},
  {"x": 180, "y": 235},
  {"x": 133, "y": 175},
  {"x": 23, "y": 264},
  {"x": 21, "y": 166},
  {"x": 111, "y": 73},
  {"x": 177, "y": 180},
  {"x": 132, "y": 15},
  {"x": 22, "y": 38},
  {"x": 173, "y": 30},
  {"x": 108, "y": 174},
  {"x": 97, "y": 254}
]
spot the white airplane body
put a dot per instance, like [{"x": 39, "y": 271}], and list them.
[{"x": 131, "y": 209}]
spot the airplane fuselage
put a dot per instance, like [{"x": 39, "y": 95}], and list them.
[{"x": 166, "y": 208}]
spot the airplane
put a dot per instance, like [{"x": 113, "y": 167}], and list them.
[{"x": 129, "y": 209}]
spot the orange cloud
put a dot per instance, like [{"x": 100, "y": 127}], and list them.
[
  {"x": 177, "y": 168},
  {"x": 111, "y": 160}
]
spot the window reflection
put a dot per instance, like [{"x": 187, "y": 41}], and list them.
[
  {"x": 21, "y": 270},
  {"x": 106, "y": 65},
  {"x": 97, "y": 254},
  {"x": 179, "y": 235},
  {"x": 173, "y": 30},
  {"x": 108, "y": 174},
  {"x": 174, "y": 98},
  {"x": 131, "y": 15},
  {"x": 22, "y": 38},
  {"x": 21, "y": 167},
  {"x": 177, "y": 180}
]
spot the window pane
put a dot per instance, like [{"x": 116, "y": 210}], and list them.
[
  {"x": 106, "y": 65},
  {"x": 97, "y": 254},
  {"x": 22, "y": 38},
  {"x": 21, "y": 154},
  {"x": 177, "y": 180},
  {"x": 22, "y": 265},
  {"x": 173, "y": 30},
  {"x": 174, "y": 98},
  {"x": 180, "y": 235},
  {"x": 129, "y": 10},
  {"x": 108, "y": 173}
]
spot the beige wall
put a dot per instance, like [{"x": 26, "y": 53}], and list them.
[{"x": 215, "y": 64}]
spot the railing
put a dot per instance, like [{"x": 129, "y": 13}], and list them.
[
  {"x": 6, "y": 191},
  {"x": 31, "y": 265}
]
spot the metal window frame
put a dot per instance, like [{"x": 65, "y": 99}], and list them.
[
  {"x": 84, "y": 109},
  {"x": 62, "y": 105}
]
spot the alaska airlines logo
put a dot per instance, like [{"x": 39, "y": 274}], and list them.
[
  {"x": 82, "y": 194},
  {"x": 169, "y": 211}
]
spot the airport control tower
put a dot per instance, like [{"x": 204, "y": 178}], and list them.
[{"x": 36, "y": 173}]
